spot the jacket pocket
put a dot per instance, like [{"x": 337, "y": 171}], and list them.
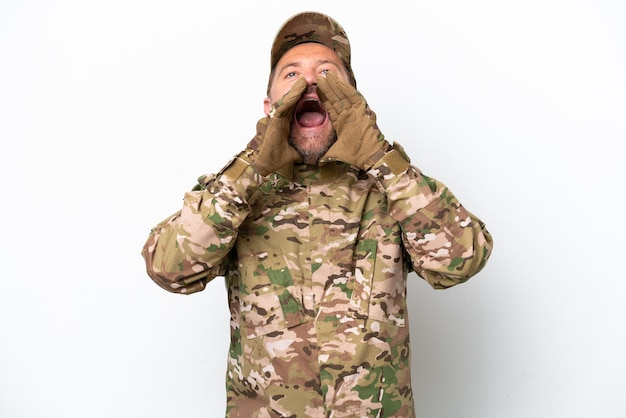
[
  {"x": 271, "y": 298},
  {"x": 379, "y": 283}
]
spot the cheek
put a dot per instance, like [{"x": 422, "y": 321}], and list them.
[
  {"x": 278, "y": 92},
  {"x": 280, "y": 87}
]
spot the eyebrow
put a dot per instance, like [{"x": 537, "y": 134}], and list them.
[{"x": 299, "y": 64}]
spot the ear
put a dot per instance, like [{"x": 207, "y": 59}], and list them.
[{"x": 267, "y": 105}]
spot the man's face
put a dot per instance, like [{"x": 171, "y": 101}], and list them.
[{"x": 312, "y": 132}]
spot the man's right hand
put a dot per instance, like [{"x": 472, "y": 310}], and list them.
[{"x": 271, "y": 139}]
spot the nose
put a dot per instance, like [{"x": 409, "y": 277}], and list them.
[{"x": 311, "y": 77}]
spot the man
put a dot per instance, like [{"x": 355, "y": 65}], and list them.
[{"x": 315, "y": 226}]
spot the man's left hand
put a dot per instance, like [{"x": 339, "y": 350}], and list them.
[{"x": 359, "y": 141}]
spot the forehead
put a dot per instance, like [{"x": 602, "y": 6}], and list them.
[{"x": 308, "y": 53}]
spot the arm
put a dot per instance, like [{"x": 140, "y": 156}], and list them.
[
  {"x": 447, "y": 244},
  {"x": 190, "y": 248}
]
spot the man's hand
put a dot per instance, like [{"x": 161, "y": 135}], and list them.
[
  {"x": 359, "y": 141},
  {"x": 271, "y": 139}
]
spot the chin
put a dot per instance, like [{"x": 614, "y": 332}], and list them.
[{"x": 312, "y": 144}]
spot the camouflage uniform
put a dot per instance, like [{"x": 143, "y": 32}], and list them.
[{"x": 316, "y": 262}]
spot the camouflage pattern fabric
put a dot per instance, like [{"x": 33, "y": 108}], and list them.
[
  {"x": 316, "y": 263},
  {"x": 312, "y": 27}
]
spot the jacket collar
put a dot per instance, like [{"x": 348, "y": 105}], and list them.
[{"x": 304, "y": 173}]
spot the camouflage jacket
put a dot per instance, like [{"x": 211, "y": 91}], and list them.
[{"x": 316, "y": 263}]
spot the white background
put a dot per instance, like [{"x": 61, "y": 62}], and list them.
[{"x": 110, "y": 110}]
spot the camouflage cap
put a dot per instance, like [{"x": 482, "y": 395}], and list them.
[{"x": 312, "y": 27}]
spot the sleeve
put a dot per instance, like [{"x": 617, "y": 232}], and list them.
[
  {"x": 190, "y": 248},
  {"x": 446, "y": 243}
]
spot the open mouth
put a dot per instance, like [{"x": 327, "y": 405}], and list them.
[{"x": 310, "y": 113}]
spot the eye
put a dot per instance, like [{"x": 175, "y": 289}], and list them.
[
  {"x": 325, "y": 71},
  {"x": 290, "y": 74}
]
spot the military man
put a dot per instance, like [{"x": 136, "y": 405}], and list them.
[{"x": 315, "y": 226}]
